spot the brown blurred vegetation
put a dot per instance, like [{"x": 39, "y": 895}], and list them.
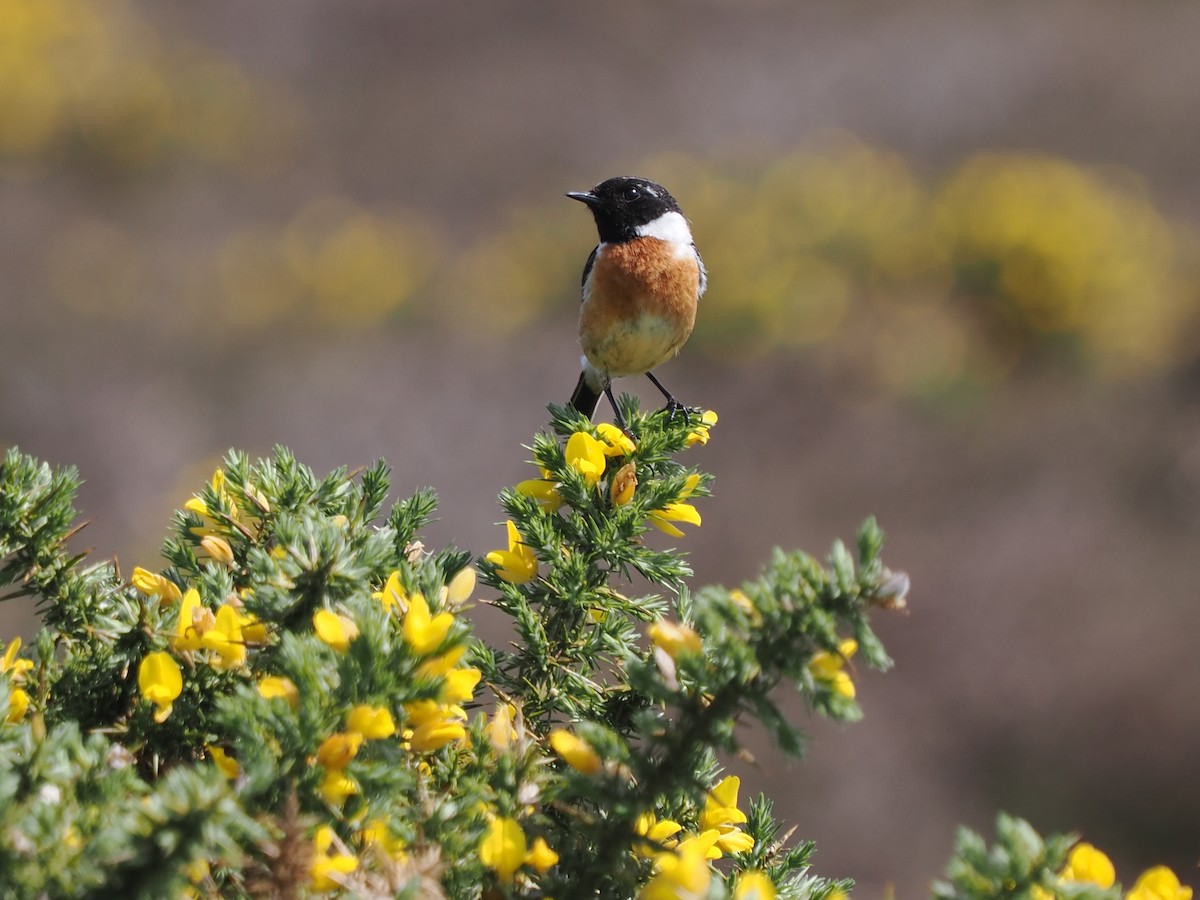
[{"x": 953, "y": 283}]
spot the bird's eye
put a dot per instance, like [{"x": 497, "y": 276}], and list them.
[{"x": 632, "y": 193}]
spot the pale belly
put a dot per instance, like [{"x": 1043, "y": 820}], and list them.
[{"x": 636, "y": 347}]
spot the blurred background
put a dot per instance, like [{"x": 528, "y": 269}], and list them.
[{"x": 954, "y": 283}]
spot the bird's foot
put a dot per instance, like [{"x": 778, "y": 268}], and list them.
[{"x": 674, "y": 408}]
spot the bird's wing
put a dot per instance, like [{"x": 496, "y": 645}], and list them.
[{"x": 587, "y": 269}]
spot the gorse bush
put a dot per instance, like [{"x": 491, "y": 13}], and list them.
[{"x": 297, "y": 705}]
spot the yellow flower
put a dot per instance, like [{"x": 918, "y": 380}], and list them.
[
  {"x": 616, "y": 442},
  {"x": 372, "y": 722},
  {"x": 659, "y": 833},
  {"x": 1089, "y": 865},
  {"x": 192, "y": 619},
  {"x": 503, "y": 848},
  {"x": 577, "y": 752},
  {"x": 336, "y": 631},
  {"x": 699, "y": 434},
  {"x": 721, "y": 813},
  {"x": 18, "y": 705},
  {"x": 337, "y": 750},
  {"x": 517, "y": 564},
  {"x": 459, "y": 685},
  {"x": 829, "y": 668},
  {"x": 223, "y": 761},
  {"x": 586, "y": 456},
  {"x": 1159, "y": 883},
  {"x": 433, "y": 725},
  {"x": 706, "y": 840},
  {"x": 674, "y": 638},
  {"x": 540, "y": 856},
  {"x": 500, "y": 731},
  {"x": 754, "y": 886},
  {"x": 198, "y": 506},
  {"x": 376, "y": 834},
  {"x": 680, "y": 875},
  {"x": 218, "y": 548},
  {"x": 10, "y": 661},
  {"x": 423, "y": 632},
  {"x": 743, "y": 602},
  {"x": 154, "y": 585},
  {"x": 544, "y": 491},
  {"x": 442, "y": 663},
  {"x": 327, "y": 870},
  {"x": 336, "y": 786},
  {"x": 393, "y": 596},
  {"x": 275, "y": 687},
  {"x": 678, "y": 511},
  {"x": 460, "y": 588},
  {"x": 624, "y": 482},
  {"x": 160, "y": 681},
  {"x": 225, "y": 639}
]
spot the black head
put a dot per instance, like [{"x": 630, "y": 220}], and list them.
[{"x": 621, "y": 205}]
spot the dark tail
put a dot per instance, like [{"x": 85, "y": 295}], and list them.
[{"x": 585, "y": 399}]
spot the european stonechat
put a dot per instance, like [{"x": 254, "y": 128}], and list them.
[{"x": 640, "y": 288}]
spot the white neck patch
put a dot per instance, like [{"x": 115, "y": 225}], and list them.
[{"x": 672, "y": 228}]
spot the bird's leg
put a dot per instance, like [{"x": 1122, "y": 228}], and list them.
[
  {"x": 617, "y": 412},
  {"x": 673, "y": 406}
]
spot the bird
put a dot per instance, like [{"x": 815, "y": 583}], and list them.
[{"x": 640, "y": 289}]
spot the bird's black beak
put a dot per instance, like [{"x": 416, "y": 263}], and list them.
[{"x": 584, "y": 197}]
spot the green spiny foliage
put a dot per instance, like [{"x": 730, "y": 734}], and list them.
[{"x": 296, "y": 703}]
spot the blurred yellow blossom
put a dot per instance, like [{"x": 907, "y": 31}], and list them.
[
  {"x": 460, "y": 588},
  {"x": 336, "y": 631},
  {"x": 503, "y": 848},
  {"x": 1087, "y": 864},
  {"x": 658, "y": 833},
  {"x": 500, "y": 731},
  {"x": 372, "y": 722},
  {"x": 223, "y": 761},
  {"x": 682, "y": 874},
  {"x": 273, "y": 687},
  {"x": 674, "y": 638},
  {"x": 18, "y": 705},
  {"x": 459, "y": 685},
  {"x": 829, "y": 669},
  {"x": 336, "y": 787},
  {"x": 393, "y": 597},
  {"x": 432, "y": 725},
  {"x": 721, "y": 813},
  {"x": 339, "y": 749},
  {"x": 218, "y": 549},
  {"x": 754, "y": 886},
  {"x": 224, "y": 638},
  {"x": 11, "y": 662},
  {"x": 160, "y": 681},
  {"x": 540, "y": 857},
  {"x": 1159, "y": 883},
  {"x": 154, "y": 585},
  {"x": 193, "y": 618},
  {"x": 423, "y": 632},
  {"x": 327, "y": 870},
  {"x": 577, "y": 752}
]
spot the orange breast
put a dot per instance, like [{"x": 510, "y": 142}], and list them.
[{"x": 639, "y": 306}]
